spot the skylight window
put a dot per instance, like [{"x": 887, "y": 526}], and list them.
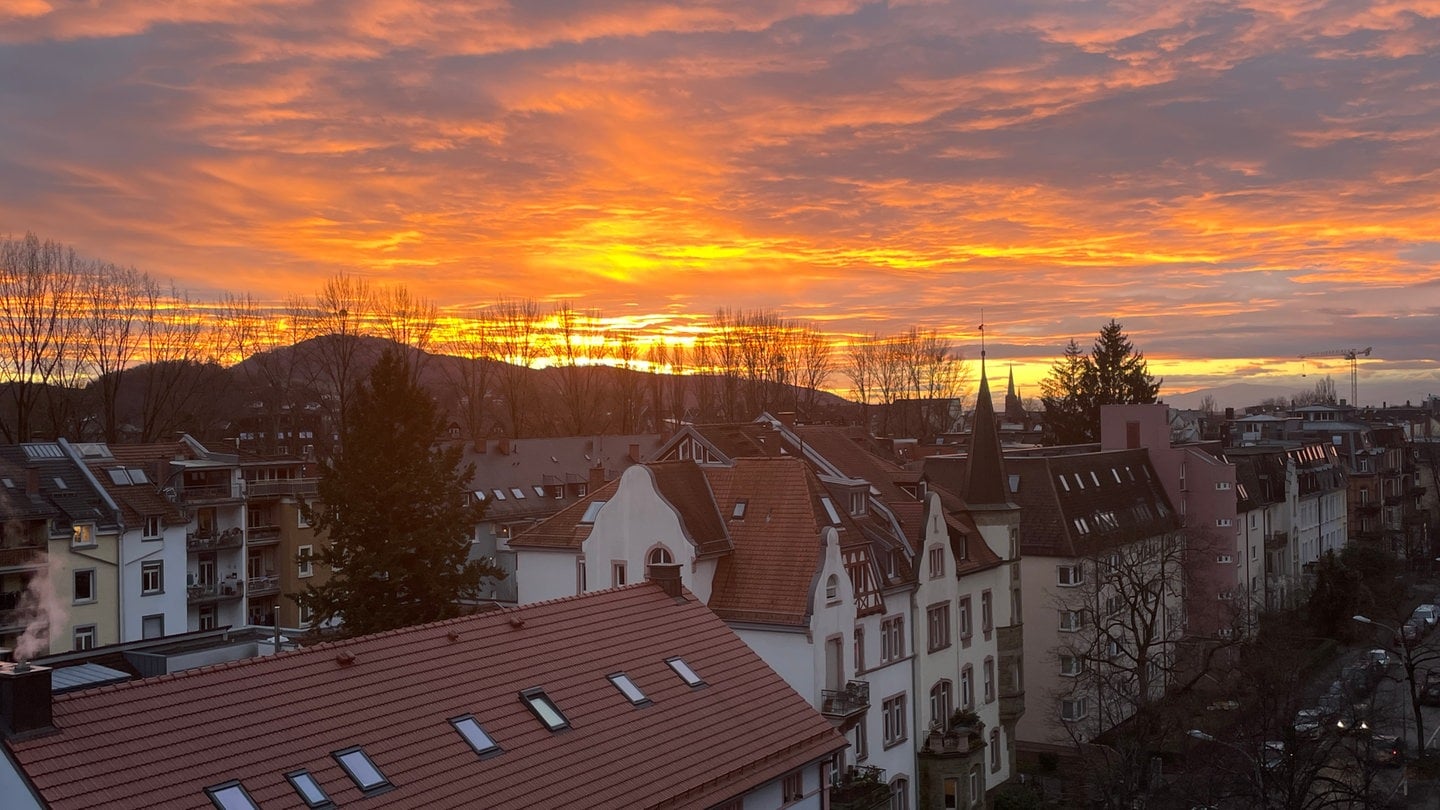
[
  {"x": 518, "y": 493},
  {"x": 738, "y": 513},
  {"x": 830, "y": 510},
  {"x": 137, "y": 476},
  {"x": 231, "y": 796},
  {"x": 684, "y": 671},
  {"x": 628, "y": 688},
  {"x": 479, "y": 740},
  {"x": 539, "y": 491},
  {"x": 119, "y": 478},
  {"x": 479, "y": 494},
  {"x": 358, "y": 765},
  {"x": 591, "y": 511},
  {"x": 310, "y": 791},
  {"x": 544, "y": 709},
  {"x": 499, "y": 494},
  {"x": 60, "y": 483},
  {"x": 1014, "y": 483}
]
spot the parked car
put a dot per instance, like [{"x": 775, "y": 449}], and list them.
[
  {"x": 1413, "y": 630},
  {"x": 1427, "y": 613},
  {"x": 1378, "y": 660},
  {"x": 1272, "y": 754},
  {"x": 1386, "y": 749},
  {"x": 1310, "y": 722},
  {"x": 1430, "y": 689},
  {"x": 1358, "y": 678}
]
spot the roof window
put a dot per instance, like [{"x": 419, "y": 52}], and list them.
[
  {"x": 628, "y": 688},
  {"x": 137, "y": 476},
  {"x": 830, "y": 510},
  {"x": 592, "y": 510},
  {"x": 539, "y": 490},
  {"x": 518, "y": 493},
  {"x": 1063, "y": 483},
  {"x": 479, "y": 494},
  {"x": 358, "y": 765},
  {"x": 499, "y": 494},
  {"x": 479, "y": 740},
  {"x": 310, "y": 791},
  {"x": 684, "y": 671},
  {"x": 60, "y": 483},
  {"x": 1014, "y": 483},
  {"x": 738, "y": 513},
  {"x": 544, "y": 709},
  {"x": 231, "y": 796},
  {"x": 119, "y": 478}
]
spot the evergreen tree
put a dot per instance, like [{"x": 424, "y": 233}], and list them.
[
  {"x": 1114, "y": 373},
  {"x": 395, "y": 511}
]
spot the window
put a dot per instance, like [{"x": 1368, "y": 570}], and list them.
[
  {"x": 592, "y": 511},
  {"x": 153, "y": 626},
  {"x": 995, "y": 756},
  {"x": 792, "y": 787},
  {"x": 862, "y": 742},
  {"x": 230, "y": 796},
  {"x": 85, "y": 586},
  {"x": 1072, "y": 709},
  {"x": 830, "y": 511},
  {"x": 892, "y": 638},
  {"x": 1069, "y": 621},
  {"x": 832, "y": 588},
  {"x": 659, "y": 556},
  {"x": 967, "y": 687},
  {"x": 685, "y": 672},
  {"x": 207, "y": 617},
  {"x": 152, "y": 577},
  {"x": 305, "y": 565},
  {"x": 1070, "y": 576},
  {"x": 1070, "y": 665},
  {"x": 310, "y": 791},
  {"x": 987, "y": 614},
  {"x": 966, "y": 624},
  {"x": 82, "y": 534},
  {"x": 498, "y": 493},
  {"x": 977, "y": 787},
  {"x": 307, "y": 615},
  {"x": 942, "y": 703},
  {"x": 859, "y": 649},
  {"x": 900, "y": 794},
  {"x": 857, "y": 502},
  {"x": 152, "y": 528},
  {"x": 517, "y": 493},
  {"x": 893, "y": 710},
  {"x": 84, "y": 638},
  {"x": 469, "y": 728},
  {"x": 1222, "y": 521},
  {"x": 357, "y": 764},
  {"x": 988, "y": 673},
  {"x": 952, "y": 794},
  {"x": 938, "y": 624},
  {"x": 302, "y": 512},
  {"x": 617, "y": 573},
  {"x": 738, "y": 512},
  {"x": 1219, "y": 485},
  {"x": 544, "y": 709},
  {"x": 1224, "y": 558},
  {"x": 937, "y": 562},
  {"x": 628, "y": 688}
]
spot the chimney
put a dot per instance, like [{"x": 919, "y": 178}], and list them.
[
  {"x": 787, "y": 418},
  {"x": 32, "y": 481},
  {"x": 597, "y": 477},
  {"x": 481, "y": 444},
  {"x": 667, "y": 576},
  {"x": 503, "y": 446},
  {"x": 635, "y": 453},
  {"x": 24, "y": 699}
]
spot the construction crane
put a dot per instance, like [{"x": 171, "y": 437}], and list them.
[{"x": 1347, "y": 354}]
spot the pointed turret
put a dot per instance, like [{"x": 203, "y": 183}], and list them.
[
  {"x": 1014, "y": 408},
  {"x": 985, "y": 482}
]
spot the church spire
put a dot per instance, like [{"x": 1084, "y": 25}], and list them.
[{"x": 985, "y": 481}]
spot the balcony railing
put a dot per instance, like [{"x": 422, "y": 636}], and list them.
[
  {"x": 210, "y": 541},
  {"x": 31, "y": 556},
  {"x": 264, "y": 586},
  {"x": 844, "y": 703},
  {"x": 860, "y": 787},
  {"x": 261, "y": 535},
  {"x": 219, "y": 592},
  {"x": 282, "y": 487},
  {"x": 214, "y": 492}
]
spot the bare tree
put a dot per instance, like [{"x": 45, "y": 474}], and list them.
[
  {"x": 408, "y": 320},
  {"x": 625, "y": 394},
  {"x": 813, "y": 363},
  {"x": 579, "y": 380},
  {"x": 267, "y": 341},
  {"x": 113, "y": 298},
  {"x": 39, "y": 285},
  {"x": 861, "y": 366},
  {"x": 519, "y": 343},
  {"x": 338, "y": 322},
  {"x": 180, "y": 380},
  {"x": 470, "y": 376}
]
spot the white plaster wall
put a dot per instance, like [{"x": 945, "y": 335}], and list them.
[
  {"x": 887, "y": 680},
  {"x": 1040, "y": 723},
  {"x": 634, "y": 519},
  {"x": 788, "y": 653},
  {"x": 542, "y": 575},
  {"x": 173, "y": 603}
]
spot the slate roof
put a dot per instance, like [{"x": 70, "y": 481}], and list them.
[
  {"x": 136, "y": 501},
  {"x": 160, "y": 742},
  {"x": 546, "y": 461},
  {"x": 74, "y": 502},
  {"x": 985, "y": 474}
]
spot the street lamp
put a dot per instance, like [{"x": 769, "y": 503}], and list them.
[
  {"x": 1259, "y": 773},
  {"x": 1407, "y": 660}
]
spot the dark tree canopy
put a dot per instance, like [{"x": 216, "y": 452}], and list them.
[
  {"x": 395, "y": 512},
  {"x": 1113, "y": 373}
]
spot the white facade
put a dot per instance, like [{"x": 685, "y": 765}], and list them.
[{"x": 148, "y": 614}]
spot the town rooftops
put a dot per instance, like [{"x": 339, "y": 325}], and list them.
[{"x": 622, "y": 698}]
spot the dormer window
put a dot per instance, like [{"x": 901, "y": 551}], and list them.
[
  {"x": 544, "y": 709},
  {"x": 857, "y": 503}
]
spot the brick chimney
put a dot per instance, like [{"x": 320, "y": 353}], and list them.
[
  {"x": 597, "y": 477},
  {"x": 32, "y": 481},
  {"x": 503, "y": 446},
  {"x": 667, "y": 576},
  {"x": 24, "y": 699},
  {"x": 635, "y": 453}
]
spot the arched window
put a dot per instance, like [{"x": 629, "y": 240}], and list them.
[
  {"x": 832, "y": 587},
  {"x": 659, "y": 556}
]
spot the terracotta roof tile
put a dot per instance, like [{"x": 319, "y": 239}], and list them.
[{"x": 161, "y": 741}]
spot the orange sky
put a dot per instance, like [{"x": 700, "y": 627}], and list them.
[{"x": 1237, "y": 183}]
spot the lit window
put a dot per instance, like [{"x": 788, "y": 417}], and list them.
[
  {"x": 628, "y": 688},
  {"x": 545, "y": 709},
  {"x": 684, "y": 671},
  {"x": 592, "y": 510},
  {"x": 470, "y": 729},
  {"x": 310, "y": 791},
  {"x": 230, "y": 796},
  {"x": 82, "y": 534},
  {"x": 358, "y": 765}
]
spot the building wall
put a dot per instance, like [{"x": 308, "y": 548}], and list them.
[
  {"x": 102, "y": 612},
  {"x": 169, "y": 550},
  {"x": 1041, "y": 673}
]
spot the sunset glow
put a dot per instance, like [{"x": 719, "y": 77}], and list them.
[{"x": 1238, "y": 183}]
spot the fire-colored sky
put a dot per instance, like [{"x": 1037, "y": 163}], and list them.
[{"x": 1238, "y": 183}]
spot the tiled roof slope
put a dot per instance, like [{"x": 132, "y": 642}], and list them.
[
  {"x": 74, "y": 502},
  {"x": 525, "y": 463},
  {"x": 136, "y": 500},
  {"x": 768, "y": 577},
  {"x": 682, "y": 484},
  {"x": 160, "y": 742},
  {"x": 740, "y": 439},
  {"x": 564, "y": 529}
]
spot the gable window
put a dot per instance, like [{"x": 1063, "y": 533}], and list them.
[
  {"x": 832, "y": 588},
  {"x": 937, "y": 620},
  {"x": 152, "y": 577},
  {"x": 937, "y": 562},
  {"x": 544, "y": 709},
  {"x": 479, "y": 740},
  {"x": 84, "y": 637},
  {"x": 1070, "y": 576},
  {"x": 85, "y": 586},
  {"x": 659, "y": 556},
  {"x": 684, "y": 671},
  {"x": 152, "y": 528},
  {"x": 617, "y": 573},
  {"x": 361, "y": 770},
  {"x": 310, "y": 791},
  {"x": 792, "y": 787},
  {"x": 893, "y": 710},
  {"x": 892, "y": 638},
  {"x": 305, "y": 561},
  {"x": 628, "y": 688},
  {"x": 231, "y": 796},
  {"x": 82, "y": 535}
]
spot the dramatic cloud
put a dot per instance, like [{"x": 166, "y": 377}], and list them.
[{"x": 1239, "y": 183}]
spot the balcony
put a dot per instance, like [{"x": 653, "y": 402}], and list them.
[
  {"x": 263, "y": 586},
  {"x": 31, "y": 557},
  {"x": 215, "y": 592},
  {"x": 844, "y": 707},
  {"x": 1010, "y": 643},
  {"x": 1274, "y": 541},
  {"x": 210, "y": 541},
  {"x": 11, "y": 616},
  {"x": 283, "y": 487},
  {"x": 860, "y": 787},
  {"x": 262, "y": 535},
  {"x": 209, "y": 493}
]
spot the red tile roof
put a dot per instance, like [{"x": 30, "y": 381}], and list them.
[{"x": 160, "y": 742}]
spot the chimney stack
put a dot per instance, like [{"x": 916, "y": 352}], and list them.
[
  {"x": 32, "y": 481},
  {"x": 597, "y": 477},
  {"x": 503, "y": 446},
  {"x": 667, "y": 576},
  {"x": 635, "y": 453},
  {"x": 24, "y": 699}
]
